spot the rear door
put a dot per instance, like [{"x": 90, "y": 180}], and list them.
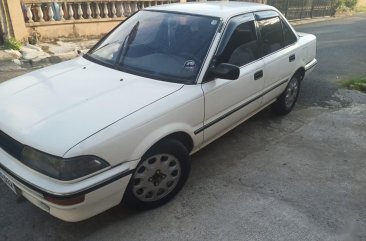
[
  {"x": 228, "y": 102},
  {"x": 278, "y": 51}
]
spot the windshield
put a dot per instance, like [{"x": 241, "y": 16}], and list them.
[{"x": 160, "y": 45}]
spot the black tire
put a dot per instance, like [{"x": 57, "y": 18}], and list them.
[
  {"x": 173, "y": 150},
  {"x": 283, "y": 105}
]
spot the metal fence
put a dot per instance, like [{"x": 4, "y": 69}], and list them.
[{"x": 298, "y": 9}]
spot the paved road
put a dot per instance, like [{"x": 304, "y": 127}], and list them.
[
  {"x": 299, "y": 177},
  {"x": 341, "y": 53}
]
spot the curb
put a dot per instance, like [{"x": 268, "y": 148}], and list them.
[
  {"x": 297, "y": 22},
  {"x": 8, "y": 66}
]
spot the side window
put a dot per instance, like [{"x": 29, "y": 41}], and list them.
[
  {"x": 272, "y": 35},
  {"x": 288, "y": 34},
  {"x": 241, "y": 47}
]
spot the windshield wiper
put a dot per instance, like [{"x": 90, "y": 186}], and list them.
[
  {"x": 117, "y": 41},
  {"x": 127, "y": 42}
]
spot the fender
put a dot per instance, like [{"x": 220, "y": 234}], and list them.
[
  {"x": 130, "y": 138},
  {"x": 159, "y": 134}
]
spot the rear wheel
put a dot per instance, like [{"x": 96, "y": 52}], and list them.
[
  {"x": 287, "y": 100},
  {"x": 159, "y": 176}
]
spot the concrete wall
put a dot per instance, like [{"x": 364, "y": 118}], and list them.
[
  {"x": 96, "y": 18},
  {"x": 16, "y": 20},
  {"x": 12, "y": 21},
  {"x": 72, "y": 29},
  {"x": 5, "y": 28},
  {"x": 361, "y": 3}
]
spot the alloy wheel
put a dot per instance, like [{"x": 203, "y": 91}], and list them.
[{"x": 156, "y": 177}]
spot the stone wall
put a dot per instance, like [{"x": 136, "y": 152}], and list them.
[{"x": 52, "y": 19}]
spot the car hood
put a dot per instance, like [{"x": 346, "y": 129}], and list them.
[{"x": 54, "y": 108}]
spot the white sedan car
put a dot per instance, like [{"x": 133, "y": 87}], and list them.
[{"x": 119, "y": 123}]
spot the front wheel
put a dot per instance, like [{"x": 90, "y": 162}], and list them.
[
  {"x": 159, "y": 176},
  {"x": 287, "y": 100}
]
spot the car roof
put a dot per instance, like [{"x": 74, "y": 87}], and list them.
[{"x": 221, "y": 9}]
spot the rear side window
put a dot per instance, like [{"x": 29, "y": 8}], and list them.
[
  {"x": 272, "y": 34},
  {"x": 288, "y": 35}
]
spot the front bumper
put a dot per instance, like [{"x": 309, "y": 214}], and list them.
[{"x": 99, "y": 192}]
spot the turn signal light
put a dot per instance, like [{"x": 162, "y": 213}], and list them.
[{"x": 66, "y": 201}]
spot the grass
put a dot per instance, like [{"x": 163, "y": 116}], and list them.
[
  {"x": 356, "y": 83},
  {"x": 12, "y": 43}
]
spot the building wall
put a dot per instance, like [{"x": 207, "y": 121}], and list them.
[
  {"x": 51, "y": 19},
  {"x": 73, "y": 29},
  {"x": 361, "y": 3},
  {"x": 5, "y": 31}
]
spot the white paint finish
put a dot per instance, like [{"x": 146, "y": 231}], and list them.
[
  {"x": 68, "y": 110},
  {"x": 95, "y": 202},
  {"x": 78, "y": 102},
  {"x": 131, "y": 137},
  {"x": 308, "y": 41},
  {"x": 278, "y": 68},
  {"x": 222, "y": 96},
  {"x": 9, "y": 88}
]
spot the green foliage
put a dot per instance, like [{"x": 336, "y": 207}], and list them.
[
  {"x": 361, "y": 9},
  {"x": 12, "y": 43},
  {"x": 356, "y": 83},
  {"x": 345, "y": 4},
  {"x": 350, "y": 3},
  {"x": 338, "y": 3}
]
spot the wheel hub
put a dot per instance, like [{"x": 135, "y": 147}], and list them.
[
  {"x": 291, "y": 93},
  {"x": 157, "y": 178}
]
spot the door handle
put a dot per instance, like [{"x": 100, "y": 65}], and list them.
[
  {"x": 258, "y": 75},
  {"x": 292, "y": 57}
]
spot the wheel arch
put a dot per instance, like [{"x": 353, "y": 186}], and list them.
[
  {"x": 300, "y": 71},
  {"x": 180, "y": 134}
]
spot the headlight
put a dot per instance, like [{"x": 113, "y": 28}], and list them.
[{"x": 61, "y": 168}]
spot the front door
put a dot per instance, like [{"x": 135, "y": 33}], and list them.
[{"x": 229, "y": 102}]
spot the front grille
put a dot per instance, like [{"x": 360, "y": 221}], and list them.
[{"x": 11, "y": 146}]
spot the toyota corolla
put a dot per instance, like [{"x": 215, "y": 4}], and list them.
[{"x": 119, "y": 123}]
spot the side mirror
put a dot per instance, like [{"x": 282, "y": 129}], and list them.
[{"x": 225, "y": 71}]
